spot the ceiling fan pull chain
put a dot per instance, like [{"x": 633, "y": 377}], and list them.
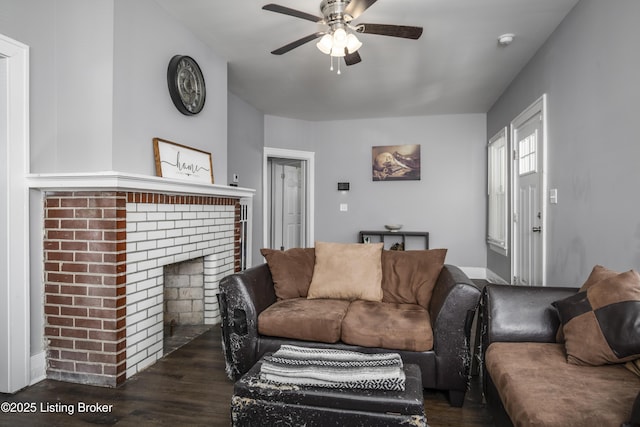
[
  {"x": 339, "y": 66},
  {"x": 331, "y": 59}
]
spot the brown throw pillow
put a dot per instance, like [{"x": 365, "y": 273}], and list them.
[
  {"x": 601, "y": 324},
  {"x": 291, "y": 271},
  {"x": 408, "y": 277},
  {"x": 598, "y": 273},
  {"x": 348, "y": 271}
]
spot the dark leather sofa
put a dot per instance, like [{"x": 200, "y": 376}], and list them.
[
  {"x": 536, "y": 386},
  {"x": 243, "y": 296}
]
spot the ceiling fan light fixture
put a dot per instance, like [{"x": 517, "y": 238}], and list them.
[
  {"x": 325, "y": 44},
  {"x": 340, "y": 38},
  {"x": 353, "y": 44},
  {"x": 338, "y": 52}
]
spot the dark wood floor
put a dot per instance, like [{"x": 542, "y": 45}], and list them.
[{"x": 188, "y": 387}]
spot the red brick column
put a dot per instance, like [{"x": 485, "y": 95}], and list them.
[{"x": 85, "y": 277}]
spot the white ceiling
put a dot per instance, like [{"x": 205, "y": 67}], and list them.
[{"x": 456, "y": 66}]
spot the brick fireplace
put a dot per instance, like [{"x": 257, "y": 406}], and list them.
[{"x": 104, "y": 258}]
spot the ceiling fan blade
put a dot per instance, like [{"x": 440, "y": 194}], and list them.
[
  {"x": 352, "y": 58},
  {"x": 356, "y": 7},
  {"x": 291, "y": 12},
  {"x": 295, "y": 44},
  {"x": 403, "y": 31}
]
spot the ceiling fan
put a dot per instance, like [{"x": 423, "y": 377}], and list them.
[{"x": 339, "y": 39}]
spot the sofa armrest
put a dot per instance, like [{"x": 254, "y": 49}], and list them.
[
  {"x": 243, "y": 296},
  {"x": 520, "y": 313},
  {"x": 452, "y": 308}
]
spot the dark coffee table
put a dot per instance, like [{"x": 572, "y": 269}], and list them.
[{"x": 256, "y": 403}]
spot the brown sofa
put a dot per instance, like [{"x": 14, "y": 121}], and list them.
[
  {"x": 532, "y": 375},
  {"x": 428, "y": 324}
]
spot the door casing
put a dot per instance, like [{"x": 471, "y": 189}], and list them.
[{"x": 309, "y": 159}]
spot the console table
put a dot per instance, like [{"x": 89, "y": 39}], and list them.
[{"x": 402, "y": 234}]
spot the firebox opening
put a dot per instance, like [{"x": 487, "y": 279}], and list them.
[{"x": 183, "y": 303}]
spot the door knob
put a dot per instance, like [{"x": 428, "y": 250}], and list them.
[{"x": 536, "y": 229}]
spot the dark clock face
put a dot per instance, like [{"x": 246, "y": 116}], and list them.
[{"x": 186, "y": 84}]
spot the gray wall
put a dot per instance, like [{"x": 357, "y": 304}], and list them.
[
  {"x": 98, "y": 85},
  {"x": 98, "y": 96},
  {"x": 449, "y": 200},
  {"x": 245, "y": 151},
  {"x": 589, "y": 69},
  {"x": 146, "y": 38}
]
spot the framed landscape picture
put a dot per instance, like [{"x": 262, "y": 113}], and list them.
[
  {"x": 396, "y": 162},
  {"x": 179, "y": 161}
]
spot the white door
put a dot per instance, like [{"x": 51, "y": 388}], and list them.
[
  {"x": 529, "y": 204},
  {"x": 292, "y": 215},
  {"x": 287, "y": 203}
]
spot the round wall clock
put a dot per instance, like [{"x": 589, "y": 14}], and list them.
[{"x": 186, "y": 84}]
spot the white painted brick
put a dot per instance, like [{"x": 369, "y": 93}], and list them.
[
  {"x": 159, "y": 234},
  {"x": 146, "y": 324},
  {"x": 196, "y": 223},
  {"x": 137, "y": 337},
  {"x": 189, "y": 215},
  {"x": 135, "y": 297},
  {"x": 196, "y": 208},
  {"x": 165, "y": 225},
  {"x": 175, "y": 232},
  {"x": 147, "y": 207},
  {"x": 166, "y": 207},
  {"x": 137, "y": 236},
  {"x": 165, "y": 243},
  {"x": 136, "y": 216},
  {"x": 146, "y": 245},
  {"x": 170, "y": 259},
  {"x": 147, "y": 226},
  {"x": 156, "y": 272},
  {"x": 131, "y": 207},
  {"x": 157, "y": 253},
  {"x": 134, "y": 318},
  {"x": 136, "y": 277},
  {"x": 182, "y": 223},
  {"x": 148, "y": 362},
  {"x": 146, "y": 284},
  {"x": 148, "y": 303},
  {"x": 146, "y": 265},
  {"x": 135, "y": 256},
  {"x": 173, "y": 216}
]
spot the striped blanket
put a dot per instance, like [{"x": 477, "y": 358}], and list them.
[{"x": 333, "y": 368}]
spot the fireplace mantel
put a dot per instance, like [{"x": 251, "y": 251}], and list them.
[{"x": 130, "y": 182}]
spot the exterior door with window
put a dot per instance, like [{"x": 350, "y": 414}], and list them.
[{"x": 529, "y": 208}]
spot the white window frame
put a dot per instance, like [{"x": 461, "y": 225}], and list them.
[{"x": 497, "y": 192}]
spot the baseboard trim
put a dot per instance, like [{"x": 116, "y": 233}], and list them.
[
  {"x": 494, "y": 278},
  {"x": 483, "y": 273},
  {"x": 38, "y": 367}
]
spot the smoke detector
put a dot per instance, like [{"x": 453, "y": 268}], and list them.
[{"x": 506, "y": 39}]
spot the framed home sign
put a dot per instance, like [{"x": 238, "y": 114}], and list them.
[{"x": 179, "y": 161}]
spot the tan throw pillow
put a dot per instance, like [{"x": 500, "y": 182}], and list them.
[
  {"x": 348, "y": 271},
  {"x": 291, "y": 271},
  {"x": 601, "y": 324},
  {"x": 408, "y": 277}
]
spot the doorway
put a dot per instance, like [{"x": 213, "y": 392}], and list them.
[
  {"x": 288, "y": 202},
  {"x": 528, "y": 137}
]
